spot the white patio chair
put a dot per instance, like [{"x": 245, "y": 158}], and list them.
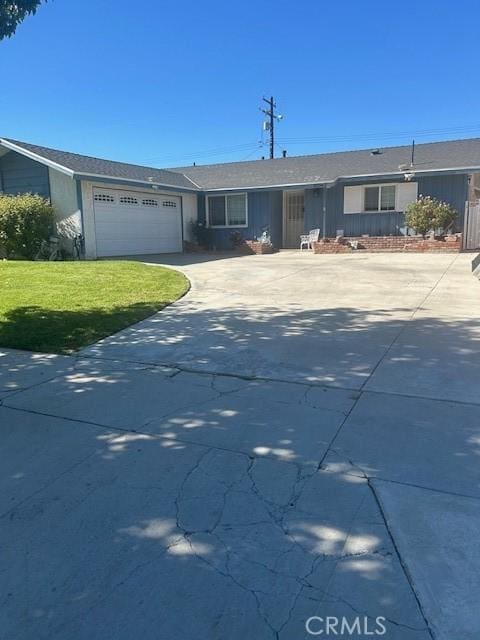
[{"x": 308, "y": 239}]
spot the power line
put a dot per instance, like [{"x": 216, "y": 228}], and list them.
[
  {"x": 212, "y": 151},
  {"x": 382, "y": 136},
  {"x": 251, "y": 147},
  {"x": 260, "y": 144}
]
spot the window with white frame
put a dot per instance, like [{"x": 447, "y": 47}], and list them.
[
  {"x": 379, "y": 198},
  {"x": 227, "y": 210}
]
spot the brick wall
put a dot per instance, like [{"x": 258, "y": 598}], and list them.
[
  {"x": 326, "y": 246},
  {"x": 246, "y": 246},
  {"x": 374, "y": 244},
  {"x": 254, "y": 246}
]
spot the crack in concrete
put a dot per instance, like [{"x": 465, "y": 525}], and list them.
[
  {"x": 276, "y": 512},
  {"x": 338, "y": 431},
  {"x": 227, "y": 574},
  {"x": 364, "y": 474},
  {"x": 392, "y": 540},
  {"x": 406, "y": 572},
  {"x": 271, "y": 507}
]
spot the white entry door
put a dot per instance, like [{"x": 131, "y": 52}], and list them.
[
  {"x": 293, "y": 218},
  {"x": 136, "y": 222}
]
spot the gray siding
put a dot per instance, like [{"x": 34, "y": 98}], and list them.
[{"x": 19, "y": 174}]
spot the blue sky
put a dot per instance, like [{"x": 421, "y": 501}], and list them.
[{"x": 169, "y": 83}]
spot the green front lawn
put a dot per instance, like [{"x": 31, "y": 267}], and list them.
[{"x": 59, "y": 307}]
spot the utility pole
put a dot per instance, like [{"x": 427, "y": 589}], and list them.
[{"x": 269, "y": 125}]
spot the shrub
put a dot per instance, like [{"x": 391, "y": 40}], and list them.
[
  {"x": 236, "y": 239},
  {"x": 202, "y": 234},
  {"x": 428, "y": 214},
  {"x": 25, "y": 221}
]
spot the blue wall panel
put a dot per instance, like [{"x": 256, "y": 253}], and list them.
[
  {"x": 449, "y": 188},
  {"x": 264, "y": 211},
  {"x": 313, "y": 209},
  {"x": 19, "y": 174},
  {"x": 276, "y": 218}
]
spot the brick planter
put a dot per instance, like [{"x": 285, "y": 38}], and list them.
[
  {"x": 255, "y": 247},
  {"x": 331, "y": 246},
  {"x": 246, "y": 247},
  {"x": 393, "y": 244}
]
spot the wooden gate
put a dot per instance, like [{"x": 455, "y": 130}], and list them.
[{"x": 471, "y": 230}]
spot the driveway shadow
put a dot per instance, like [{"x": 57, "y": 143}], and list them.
[
  {"x": 145, "y": 501},
  {"x": 339, "y": 346},
  {"x": 123, "y": 535},
  {"x": 182, "y": 259}
]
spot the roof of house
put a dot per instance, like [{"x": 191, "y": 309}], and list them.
[
  {"x": 328, "y": 167},
  {"x": 89, "y": 166},
  {"x": 280, "y": 172}
]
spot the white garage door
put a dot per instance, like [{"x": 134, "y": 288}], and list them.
[{"x": 134, "y": 222}]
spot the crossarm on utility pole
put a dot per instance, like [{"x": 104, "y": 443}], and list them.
[{"x": 270, "y": 112}]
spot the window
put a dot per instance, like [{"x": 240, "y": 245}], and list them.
[
  {"x": 387, "y": 197},
  {"x": 227, "y": 211},
  {"x": 149, "y": 202},
  {"x": 379, "y": 198},
  {"x": 236, "y": 210},
  {"x": 371, "y": 198},
  {"x": 169, "y": 203},
  {"x": 128, "y": 200},
  {"x": 103, "y": 197},
  {"x": 216, "y": 211}
]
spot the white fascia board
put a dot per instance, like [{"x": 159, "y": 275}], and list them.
[
  {"x": 197, "y": 186},
  {"x": 33, "y": 156},
  {"x": 415, "y": 171},
  {"x": 271, "y": 186},
  {"x": 92, "y": 176}
]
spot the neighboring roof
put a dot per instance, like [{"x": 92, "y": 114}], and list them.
[
  {"x": 328, "y": 167},
  {"x": 79, "y": 165},
  {"x": 280, "y": 172}
]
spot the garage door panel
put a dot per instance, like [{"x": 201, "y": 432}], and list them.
[
  {"x": 138, "y": 230},
  {"x": 125, "y": 249},
  {"x": 125, "y": 228}
]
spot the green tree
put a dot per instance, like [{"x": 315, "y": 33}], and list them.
[
  {"x": 13, "y": 13},
  {"x": 428, "y": 214}
]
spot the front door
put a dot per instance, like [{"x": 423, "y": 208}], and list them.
[{"x": 293, "y": 218}]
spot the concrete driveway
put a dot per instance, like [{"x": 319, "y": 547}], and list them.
[{"x": 297, "y": 439}]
